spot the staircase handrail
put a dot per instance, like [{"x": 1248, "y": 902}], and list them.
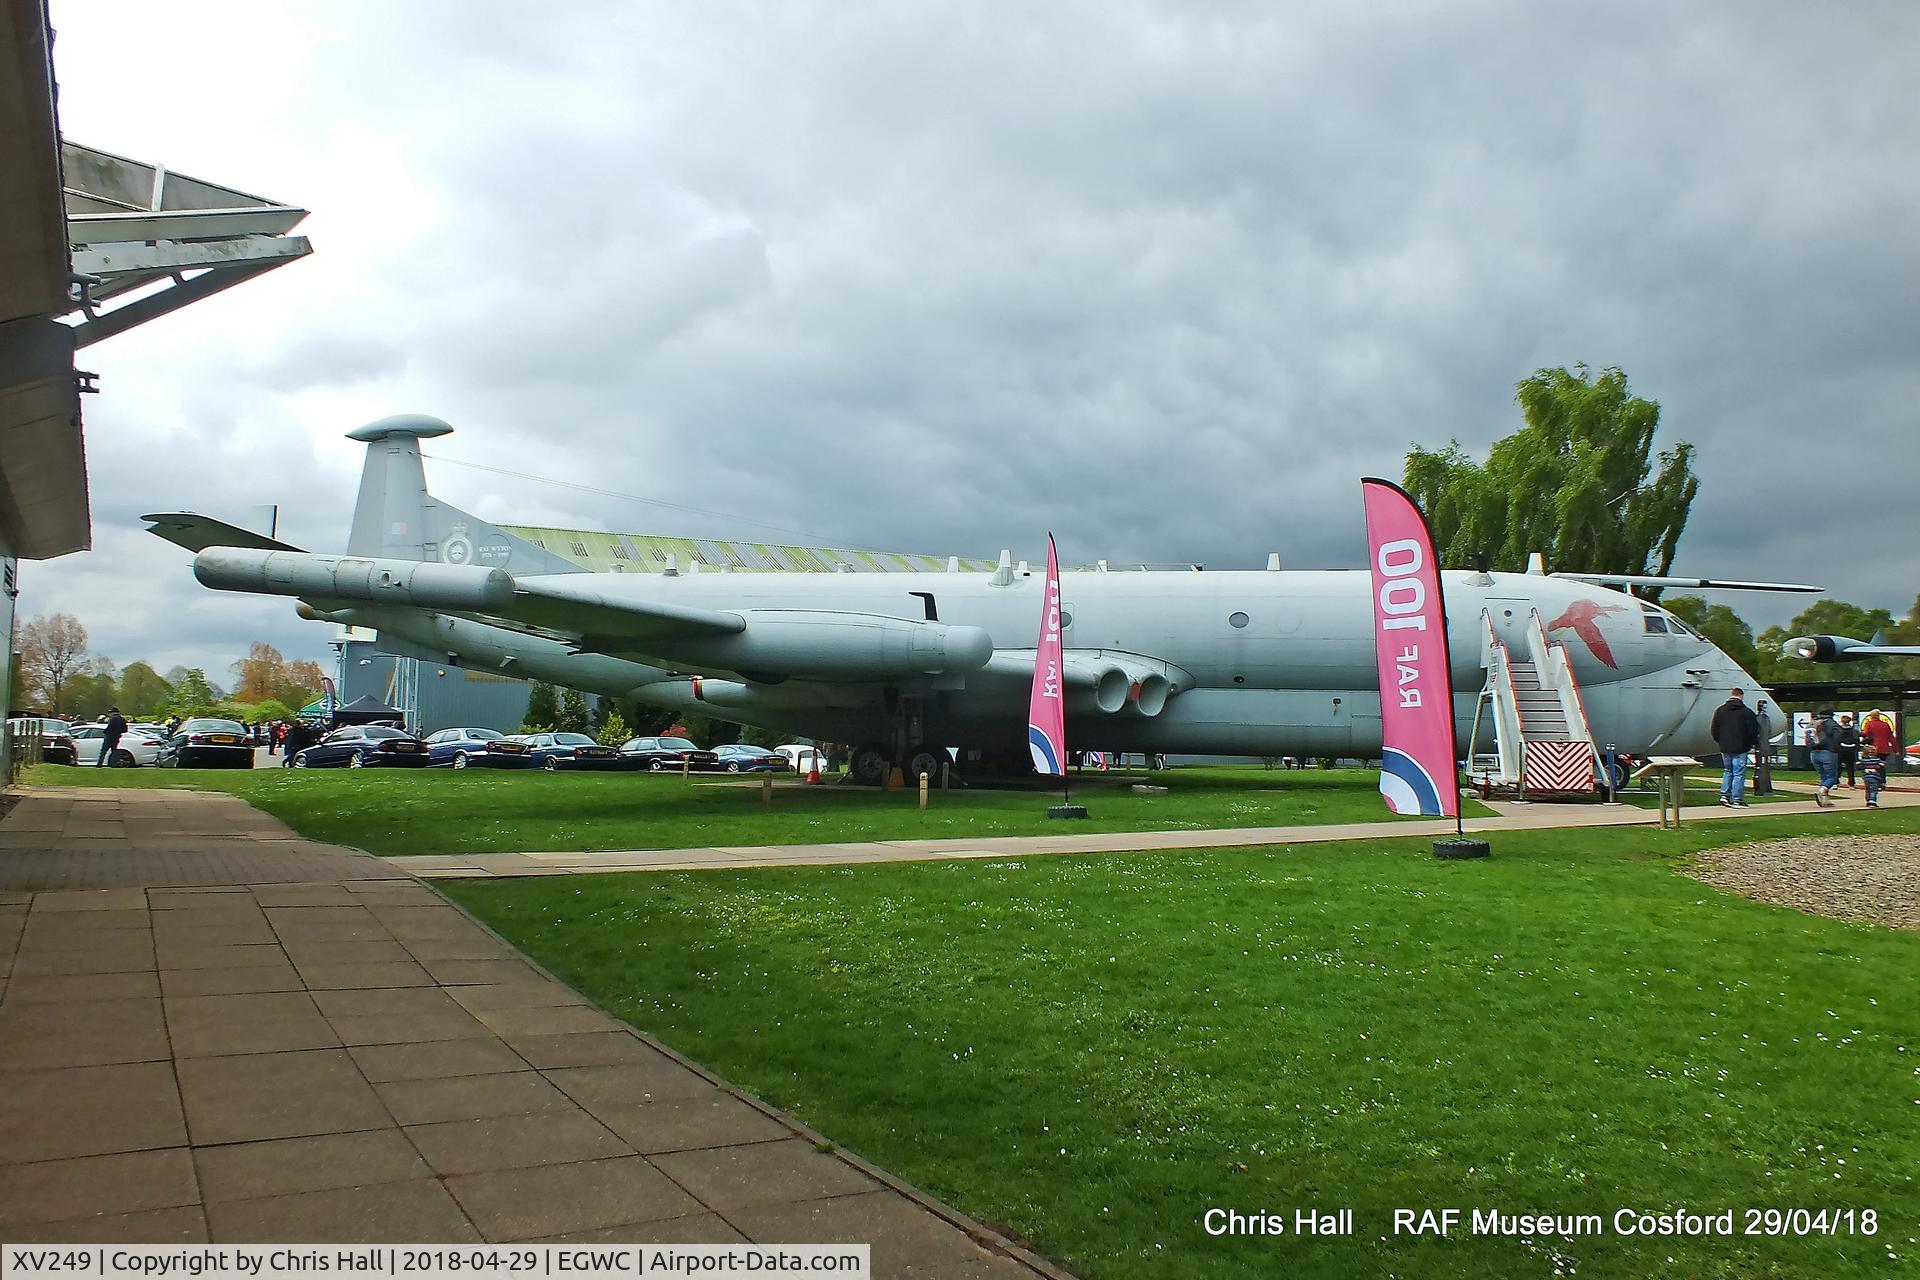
[
  {"x": 1506, "y": 710},
  {"x": 1556, "y": 671}
]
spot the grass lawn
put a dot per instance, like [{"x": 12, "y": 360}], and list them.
[
  {"x": 1095, "y": 1051},
  {"x": 485, "y": 811}
]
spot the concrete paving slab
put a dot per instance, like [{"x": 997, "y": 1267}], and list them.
[
  {"x": 590, "y": 1049},
  {"x": 549, "y": 1020},
  {"x": 53, "y": 1190},
  {"x": 289, "y": 1166},
  {"x": 238, "y": 955},
  {"x": 514, "y": 995},
  {"x": 697, "y": 1228},
  {"x": 186, "y": 1225},
  {"x": 729, "y": 1179},
  {"x": 238, "y": 981},
  {"x": 406, "y": 1028},
  {"x": 350, "y": 977},
  {"x": 518, "y": 1204},
  {"x": 84, "y": 1111},
  {"x": 691, "y": 1123},
  {"x": 906, "y": 1239},
  {"x": 390, "y": 1213},
  {"x": 58, "y": 1034},
  {"x": 514, "y": 1142},
  {"x": 488, "y": 973},
  {"x": 510, "y": 1093},
  {"x": 436, "y": 1060},
  {"x": 375, "y": 951},
  {"x": 643, "y": 1077},
  {"x": 92, "y": 900},
  {"x": 379, "y": 1002},
  {"x": 83, "y": 987}
]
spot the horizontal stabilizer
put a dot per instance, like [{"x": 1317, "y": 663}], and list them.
[
  {"x": 196, "y": 533},
  {"x": 1700, "y": 584}
]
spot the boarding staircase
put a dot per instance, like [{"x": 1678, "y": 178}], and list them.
[{"x": 1540, "y": 739}]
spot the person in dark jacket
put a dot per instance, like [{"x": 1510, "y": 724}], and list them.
[
  {"x": 1736, "y": 731},
  {"x": 1849, "y": 747},
  {"x": 110, "y": 740},
  {"x": 1823, "y": 742}
]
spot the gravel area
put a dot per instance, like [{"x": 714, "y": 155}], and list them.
[{"x": 1869, "y": 878}]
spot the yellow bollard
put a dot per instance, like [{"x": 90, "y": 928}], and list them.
[{"x": 923, "y": 792}]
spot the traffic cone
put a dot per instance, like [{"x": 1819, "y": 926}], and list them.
[{"x": 813, "y": 774}]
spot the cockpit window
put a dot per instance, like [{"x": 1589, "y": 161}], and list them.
[{"x": 1652, "y": 620}]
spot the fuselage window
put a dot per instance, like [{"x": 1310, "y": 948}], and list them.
[{"x": 1238, "y": 620}]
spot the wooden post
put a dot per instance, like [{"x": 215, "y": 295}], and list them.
[
  {"x": 923, "y": 792},
  {"x": 946, "y": 775},
  {"x": 766, "y": 788},
  {"x": 686, "y": 768}
]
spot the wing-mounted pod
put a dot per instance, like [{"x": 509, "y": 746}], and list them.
[
  {"x": 1845, "y": 649},
  {"x": 361, "y": 579},
  {"x": 819, "y": 644}
]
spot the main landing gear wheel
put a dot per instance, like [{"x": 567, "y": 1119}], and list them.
[
  {"x": 870, "y": 765},
  {"x": 927, "y": 760}
]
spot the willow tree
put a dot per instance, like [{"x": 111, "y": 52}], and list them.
[{"x": 1578, "y": 483}]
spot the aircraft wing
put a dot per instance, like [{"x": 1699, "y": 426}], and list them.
[
  {"x": 569, "y": 605},
  {"x": 197, "y": 532},
  {"x": 1698, "y": 584}
]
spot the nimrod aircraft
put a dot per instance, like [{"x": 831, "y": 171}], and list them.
[{"x": 1264, "y": 663}]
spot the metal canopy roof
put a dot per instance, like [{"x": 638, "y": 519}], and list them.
[{"x": 117, "y": 240}]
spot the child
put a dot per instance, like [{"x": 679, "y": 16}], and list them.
[{"x": 1873, "y": 772}]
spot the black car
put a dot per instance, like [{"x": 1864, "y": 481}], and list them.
[
  {"x": 556, "y": 751},
  {"x": 662, "y": 754},
  {"x": 476, "y": 749},
  {"x": 207, "y": 744},
  {"x": 369, "y": 746},
  {"x": 56, "y": 744}
]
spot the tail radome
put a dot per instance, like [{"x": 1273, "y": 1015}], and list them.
[{"x": 396, "y": 518}]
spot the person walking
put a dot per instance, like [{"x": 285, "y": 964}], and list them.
[
  {"x": 1876, "y": 731},
  {"x": 110, "y": 740},
  {"x": 1736, "y": 731},
  {"x": 1849, "y": 747},
  {"x": 1873, "y": 772},
  {"x": 1763, "y": 754},
  {"x": 1823, "y": 742}
]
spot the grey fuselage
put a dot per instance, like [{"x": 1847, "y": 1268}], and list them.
[{"x": 1261, "y": 662}]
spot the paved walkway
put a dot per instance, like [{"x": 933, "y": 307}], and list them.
[
  {"x": 252, "y": 1037},
  {"x": 1512, "y": 817}
]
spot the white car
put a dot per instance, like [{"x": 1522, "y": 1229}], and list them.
[
  {"x": 803, "y": 757},
  {"x": 138, "y": 745}
]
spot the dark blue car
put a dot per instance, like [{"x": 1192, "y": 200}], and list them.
[
  {"x": 369, "y": 746},
  {"x": 738, "y": 757},
  {"x": 476, "y": 749},
  {"x": 556, "y": 751}
]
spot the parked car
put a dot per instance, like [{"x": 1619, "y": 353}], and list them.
[
  {"x": 741, "y": 757},
  {"x": 139, "y": 745},
  {"x": 661, "y": 754},
  {"x": 364, "y": 746},
  {"x": 207, "y": 744},
  {"x": 556, "y": 751},
  {"x": 476, "y": 749},
  {"x": 56, "y": 744},
  {"x": 803, "y": 757}
]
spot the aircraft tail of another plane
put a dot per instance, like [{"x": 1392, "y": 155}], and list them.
[{"x": 396, "y": 518}]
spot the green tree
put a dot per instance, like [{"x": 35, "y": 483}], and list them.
[
  {"x": 613, "y": 730},
  {"x": 1573, "y": 483},
  {"x": 193, "y": 696},
  {"x": 143, "y": 694},
  {"x": 649, "y": 721},
  {"x": 573, "y": 716},
  {"x": 543, "y": 706},
  {"x": 88, "y": 695}
]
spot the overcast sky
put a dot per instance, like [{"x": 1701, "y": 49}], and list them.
[{"x": 1164, "y": 278}]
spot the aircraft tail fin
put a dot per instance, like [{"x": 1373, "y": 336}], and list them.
[{"x": 396, "y": 518}]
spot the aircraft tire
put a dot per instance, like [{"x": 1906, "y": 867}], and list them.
[
  {"x": 926, "y": 760},
  {"x": 869, "y": 765}
]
